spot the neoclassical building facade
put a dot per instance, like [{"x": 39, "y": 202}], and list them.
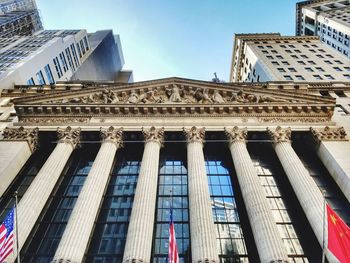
[{"x": 245, "y": 168}]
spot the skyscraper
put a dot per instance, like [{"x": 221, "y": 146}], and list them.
[
  {"x": 328, "y": 19},
  {"x": 19, "y": 17}
]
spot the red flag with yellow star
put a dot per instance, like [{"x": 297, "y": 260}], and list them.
[{"x": 338, "y": 236}]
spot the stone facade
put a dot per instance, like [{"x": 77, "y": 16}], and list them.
[{"x": 198, "y": 112}]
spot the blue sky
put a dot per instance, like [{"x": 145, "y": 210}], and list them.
[{"x": 165, "y": 38}]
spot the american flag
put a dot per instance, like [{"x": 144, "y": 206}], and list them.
[
  {"x": 7, "y": 236},
  {"x": 173, "y": 252}
]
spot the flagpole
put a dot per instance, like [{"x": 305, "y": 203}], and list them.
[
  {"x": 17, "y": 243},
  {"x": 324, "y": 226}
]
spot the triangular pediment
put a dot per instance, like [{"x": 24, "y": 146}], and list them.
[{"x": 174, "y": 96}]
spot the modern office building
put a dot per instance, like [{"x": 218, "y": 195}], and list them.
[
  {"x": 60, "y": 55},
  {"x": 272, "y": 57},
  {"x": 243, "y": 165},
  {"x": 19, "y": 17},
  {"x": 328, "y": 19}
]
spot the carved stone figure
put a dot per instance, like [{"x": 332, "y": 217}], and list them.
[
  {"x": 202, "y": 95},
  {"x": 217, "y": 97},
  {"x": 150, "y": 97},
  {"x": 174, "y": 94},
  {"x": 263, "y": 99},
  {"x": 133, "y": 98}
]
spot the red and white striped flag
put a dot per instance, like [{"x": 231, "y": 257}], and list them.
[
  {"x": 173, "y": 252},
  {"x": 7, "y": 236}
]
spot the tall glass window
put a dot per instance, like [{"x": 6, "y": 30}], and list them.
[
  {"x": 30, "y": 81},
  {"x": 230, "y": 238},
  {"x": 76, "y": 60},
  {"x": 64, "y": 62},
  {"x": 49, "y": 74},
  {"x": 70, "y": 61},
  {"x": 43, "y": 242},
  {"x": 86, "y": 43},
  {"x": 108, "y": 239},
  {"x": 172, "y": 192},
  {"x": 40, "y": 77},
  {"x": 58, "y": 67},
  {"x": 79, "y": 50}
]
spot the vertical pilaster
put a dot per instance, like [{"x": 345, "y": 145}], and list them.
[
  {"x": 333, "y": 148},
  {"x": 139, "y": 239},
  {"x": 80, "y": 225},
  {"x": 16, "y": 146},
  {"x": 203, "y": 236},
  {"x": 33, "y": 201},
  {"x": 266, "y": 236}
]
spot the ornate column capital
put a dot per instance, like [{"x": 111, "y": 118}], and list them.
[
  {"x": 237, "y": 134},
  {"x": 195, "y": 134},
  {"x": 329, "y": 134},
  {"x": 153, "y": 134},
  {"x": 69, "y": 135},
  {"x": 112, "y": 135},
  {"x": 279, "y": 134},
  {"x": 22, "y": 134}
]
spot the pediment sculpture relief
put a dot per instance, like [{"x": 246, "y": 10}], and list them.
[{"x": 173, "y": 95}]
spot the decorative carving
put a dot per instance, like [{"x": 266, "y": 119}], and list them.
[
  {"x": 237, "y": 134},
  {"x": 53, "y": 120},
  {"x": 295, "y": 119},
  {"x": 329, "y": 134},
  {"x": 280, "y": 134},
  {"x": 69, "y": 135},
  {"x": 22, "y": 134},
  {"x": 173, "y": 94},
  {"x": 112, "y": 135},
  {"x": 195, "y": 134},
  {"x": 153, "y": 134}
]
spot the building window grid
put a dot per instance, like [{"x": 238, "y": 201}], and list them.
[
  {"x": 76, "y": 60},
  {"x": 230, "y": 238},
  {"x": 172, "y": 191},
  {"x": 109, "y": 236},
  {"x": 70, "y": 61},
  {"x": 49, "y": 74}
]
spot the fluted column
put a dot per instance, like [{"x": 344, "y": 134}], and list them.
[
  {"x": 80, "y": 225},
  {"x": 16, "y": 147},
  {"x": 139, "y": 239},
  {"x": 305, "y": 188},
  {"x": 265, "y": 232},
  {"x": 203, "y": 235},
  {"x": 333, "y": 148},
  {"x": 34, "y": 199}
]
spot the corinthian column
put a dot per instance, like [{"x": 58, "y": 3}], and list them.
[
  {"x": 34, "y": 199},
  {"x": 333, "y": 148},
  {"x": 267, "y": 238},
  {"x": 80, "y": 225},
  {"x": 305, "y": 188},
  {"x": 16, "y": 146},
  {"x": 139, "y": 239},
  {"x": 203, "y": 236}
]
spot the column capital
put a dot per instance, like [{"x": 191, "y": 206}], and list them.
[
  {"x": 329, "y": 134},
  {"x": 69, "y": 135},
  {"x": 112, "y": 135},
  {"x": 153, "y": 134},
  {"x": 22, "y": 134},
  {"x": 195, "y": 134},
  {"x": 280, "y": 134},
  {"x": 236, "y": 134}
]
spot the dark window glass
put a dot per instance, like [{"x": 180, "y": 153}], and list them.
[{"x": 109, "y": 236}]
